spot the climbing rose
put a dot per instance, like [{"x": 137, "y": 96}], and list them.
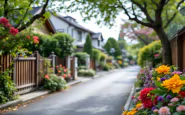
[
  {"x": 13, "y": 31},
  {"x": 4, "y": 21}
]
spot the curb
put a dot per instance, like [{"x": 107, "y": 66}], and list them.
[
  {"x": 127, "y": 105},
  {"x": 15, "y": 102}
]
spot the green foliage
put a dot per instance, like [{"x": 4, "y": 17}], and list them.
[
  {"x": 81, "y": 67},
  {"x": 112, "y": 43},
  {"x": 119, "y": 58},
  {"x": 103, "y": 57},
  {"x": 7, "y": 88},
  {"x": 109, "y": 58},
  {"x": 54, "y": 83},
  {"x": 106, "y": 67},
  {"x": 96, "y": 55},
  {"x": 64, "y": 44},
  {"x": 122, "y": 44},
  {"x": 88, "y": 46},
  {"x": 60, "y": 43},
  {"x": 147, "y": 54},
  {"x": 87, "y": 72},
  {"x": 81, "y": 58}
]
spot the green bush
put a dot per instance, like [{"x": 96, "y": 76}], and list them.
[
  {"x": 81, "y": 67},
  {"x": 103, "y": 57},
  {"x": 96, "y": 55},
  {"x": 88, "y": 72},
  {"x": 147, "y": 54},
  {"x": 54, "y": 82},
  {"x": 88, "y": 46},
  {"x": 7, "y": 88},
  {"x": 119, "y": 57},
  {"x": 110, "y": 58},
  {"x": 81, "y": 58}
]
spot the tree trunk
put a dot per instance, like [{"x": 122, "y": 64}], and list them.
[{"x": 167, "y": 54}]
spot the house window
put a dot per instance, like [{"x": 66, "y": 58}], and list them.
[
  {"x": 98, "y": 42},
  {"x": 79, "y": 36}
]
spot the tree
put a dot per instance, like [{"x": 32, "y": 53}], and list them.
[
  {"x": 122, "y": 44},
  {"x": 88, "y": 46},
  {"x": 112, "y": 43},
  {"x": 155, "y": 14},
  {"x": 135, "y": 31},
  {"x": 19, "y": 12}
]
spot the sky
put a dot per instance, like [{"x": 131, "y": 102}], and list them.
[{"x": 106, "y": 31}]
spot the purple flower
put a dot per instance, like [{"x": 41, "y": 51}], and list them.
[
  {"x": 162, "y": 79},
  {"x": 177, "y": 72},
  {"x": 160, "y": 98},
  {"x": 153, "y": 108},
  {"x": 168, "y": 97}
]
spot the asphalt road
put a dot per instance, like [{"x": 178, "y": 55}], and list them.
[{"x": 101, "y": 96}]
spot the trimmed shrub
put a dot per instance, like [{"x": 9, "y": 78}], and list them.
[
  {"x": 148, "y": 53},
  {"x": 96, "y": 55},
  {"x": 81, "y": 58},
  {"x": 88, "y": 72},
  {"x": 53, "y": 82},
  {"x": 109, "y": 58},
  {"x": 88, "y": 46}
]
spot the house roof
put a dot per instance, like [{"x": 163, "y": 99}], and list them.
[{"x": 180, "y": 31}]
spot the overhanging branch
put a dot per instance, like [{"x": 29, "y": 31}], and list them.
[{"x": 37, "y": 16}]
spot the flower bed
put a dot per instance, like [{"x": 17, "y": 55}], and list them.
[{"x": 162, "y": 94}]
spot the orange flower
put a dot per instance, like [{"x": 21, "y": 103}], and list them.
[
  {"x": 47, "y": 77},
  {"x": 163, "y": 69},
  {"x": 59, "y": 71}
]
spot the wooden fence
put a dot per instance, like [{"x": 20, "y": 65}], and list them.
[
  {"x": 93, "y": 64},
  {"x": 27, "y": 71}
]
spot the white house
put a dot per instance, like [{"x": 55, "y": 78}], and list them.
[{"x": 70, "y": 26}]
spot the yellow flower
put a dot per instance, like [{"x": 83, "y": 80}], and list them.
[
  {"x": 174, "y": 83},
  {"x": 139, "y": 105},
  {"x": 132, "y": 112},
  {"x": 125, "y": 113},
  {"x": 163, "y": 69},
  {"x": 158, "y": 78}
]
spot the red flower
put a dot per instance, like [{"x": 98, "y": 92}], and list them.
[
  {"x": 4, "y": 21},
  {"x": 59, "y": 71},
  {"x": 35, "y": 39},
  {"x": 65, "y": 70},
  {"x": 13, "y": 31},
  {"x": 182, "y": 94},
  {"x": 47, "y": 77},
  {"x": 57, "y": 67},
  {"x": 145, "y": 97},
  {"x": 64, "y": 76}
]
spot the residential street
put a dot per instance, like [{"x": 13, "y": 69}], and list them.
[{"x": 101, "y": 96}]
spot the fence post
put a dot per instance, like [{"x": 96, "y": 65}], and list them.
[
  {"x": 14, "y": 72},
  {"x": 75, "y": 66},
  {"x": 37, "y": 69},
  {"x": 68, "y": 58},
  {"x": 53, "y": 57},
  {"x": 87, "y": 61}
]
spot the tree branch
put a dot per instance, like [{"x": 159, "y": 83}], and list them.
[
  {"x": 173, "y": 16},
  {"x": 154, "y": 3},
  {"x": 144, "y": 10},
  {"x": 24, "y": 14},
  {"x": 5, "y": 8},
  {"x": 135, "y": 18},
  {"x": 35, "y": 17}
]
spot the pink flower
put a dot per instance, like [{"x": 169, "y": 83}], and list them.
[
  {"x": 132, "y": 97},
  {"x": 13, "y": 31},
  {"x": 69, "y": 75},
  {"x": 56, "y": 66},
  {"x": 170, "y": 104},
  {"x": 28, "y": 37},
  {"x": 64, "y": 75},
  {"x": 164, "y": 111},
  {"x": 177, "y": 72},
  {"x": 180, "y": 108},
  {"x": 156, "y": 55},
  {"x": 155, "y": 110},
  {"x": 4, "y": 21},
  {"x": 65, "y": 70},
  {"x": 8, "y": 25},
  {"x": 46, "y": 76},
  {"x": 175, "y": 99}
]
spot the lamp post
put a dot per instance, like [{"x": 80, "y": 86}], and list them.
[{"x": 112, "y": 50}]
